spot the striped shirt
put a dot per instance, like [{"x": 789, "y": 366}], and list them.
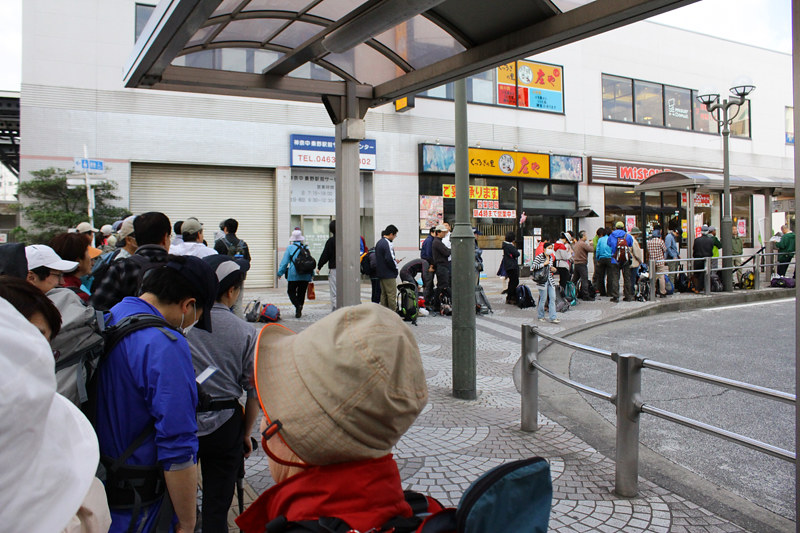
[{"x": 538, "y": 262}]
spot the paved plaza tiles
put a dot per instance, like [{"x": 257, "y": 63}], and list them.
[{"x": 454, "y": 441}]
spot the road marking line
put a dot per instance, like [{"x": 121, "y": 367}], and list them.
[{"x": 749, "y": 305}]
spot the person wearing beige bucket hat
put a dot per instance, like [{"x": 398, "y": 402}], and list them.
[{"x": 336, "y": 398}]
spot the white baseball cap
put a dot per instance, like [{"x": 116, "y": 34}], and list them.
[
  {"x": 42, "y": 255},
  {"x": 85, "y": 227},
  {"x": 107, "y": 230},
  {"x": 48, "y": 449}
]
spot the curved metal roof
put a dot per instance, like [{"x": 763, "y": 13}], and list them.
[
  {"x": 306, "y": 49},
  {"x": 677, "y": 181}
]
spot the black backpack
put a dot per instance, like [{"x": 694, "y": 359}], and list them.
[
  {"x": 407, "y": 303},
  {"x": 101, "y": 266},
  {"x": 524, "y": 297},
  {"x": 303, "y": 261},
  {"x": 368, "y": 262},
  {"x": 235, "y": 250}
]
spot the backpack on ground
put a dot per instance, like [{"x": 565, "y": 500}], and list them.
[
  {"x": 253, "y": 310},
  {"x": 782, "y": 282},
  {"x": 78, "y": 347},
  {"x": 748, "y": 281},
  {"x": 407, "y": 303},
  {"x": 100, "y": 267},
  {"x": 269, "y": 313},
  {"x": 238, "y": 250},
  {"x": 304, "y": 263},
  {"x": 562, "y": 305},
  {"x": 643, "y": 287},
  {"x": 482, "y": 305},
  {"x": 682, "y": 282},
  {"x": 368, "y": 264},
  {"x": 570, "y": 293},
  {"x": 670, "y": 288},
  {"x": 716, "y": 283},
  {"x": 622, "y": 254},
  {"x": 445, "y": 305},
  {"x": 524, "y": 297}
]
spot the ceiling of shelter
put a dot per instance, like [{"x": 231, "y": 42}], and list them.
[{"x": 382, "y": 49}]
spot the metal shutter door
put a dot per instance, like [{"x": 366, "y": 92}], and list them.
[{"x": 213, "y": 194}]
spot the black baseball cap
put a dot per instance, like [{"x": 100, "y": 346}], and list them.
[
  {"x": 227, "y": 270},
  {"x": 202, "y": 277}
]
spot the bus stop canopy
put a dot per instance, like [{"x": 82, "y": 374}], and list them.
[
  {"x": 677, "y": 181},
  {"x": 386, "y": 49}
]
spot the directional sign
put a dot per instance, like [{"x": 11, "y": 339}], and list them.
[
  {"x": 92, "y": 166},
  {"x": 79, "y": 182}
]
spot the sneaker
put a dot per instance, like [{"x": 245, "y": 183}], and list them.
[
  {"x": 555, "y": 321},
  {"x": 614, "y": 300},
  {"x": 543, "y": 319},
  {"x": 298, "y": 313}
]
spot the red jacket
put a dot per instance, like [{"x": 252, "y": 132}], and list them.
[
  {"x": 73, "y": 282},
  {"x": 365, "y": 494}
]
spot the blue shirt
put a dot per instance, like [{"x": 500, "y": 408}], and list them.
[
  {"x": 612, "y": 242},
  {"x": 602, "y": 251},
  {"x": 672, "y": 246},
  {"x": 147, "y": 378},
  {"x": 426, "y": 252}
]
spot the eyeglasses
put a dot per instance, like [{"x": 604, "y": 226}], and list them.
[{"x": 59, "y": 275}]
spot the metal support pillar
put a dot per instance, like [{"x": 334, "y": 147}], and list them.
[
  {"x": 629, "y": 386},
  {"x": 769, "y": 246},
  {"x": 530, "y": 380},
  {"x": 727, "y": 218},
  {"x": 463, "y": 263},
  {"x": 348, "y": 115},
  {"x": 796, "y": 91},
  {"x": 689, "y": 223}
]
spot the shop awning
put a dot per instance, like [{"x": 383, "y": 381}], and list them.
[
  {"x": 676, "y": 181},
  {"x": 385, "y": 49},
  {"x": 583, "y": 213}
]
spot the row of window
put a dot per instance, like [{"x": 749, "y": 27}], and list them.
[{"x": 656, "y": 104}]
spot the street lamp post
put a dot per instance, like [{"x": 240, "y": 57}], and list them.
[{"x": 717, "y": 108}]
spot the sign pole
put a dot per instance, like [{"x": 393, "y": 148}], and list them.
[{"x": 89, "y": 192}]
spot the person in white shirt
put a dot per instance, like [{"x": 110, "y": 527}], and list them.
[{"x": 192, "y": 232}]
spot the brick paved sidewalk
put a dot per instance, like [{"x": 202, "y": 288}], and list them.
[{"x": 454, "y": 441}]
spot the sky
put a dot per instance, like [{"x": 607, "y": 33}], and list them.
[{"x": 765, "y": 23}]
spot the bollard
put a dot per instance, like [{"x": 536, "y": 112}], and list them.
[
  {"x": 529, "y": 379},
  {"x": 707, "y": 277},
  {"x": 629, "y": 386},
  {"x": 652, "y": 295}
]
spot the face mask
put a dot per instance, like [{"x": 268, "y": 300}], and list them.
[
  {"x": 549, "y": 251},
  {"x": 185, "y": 331}
]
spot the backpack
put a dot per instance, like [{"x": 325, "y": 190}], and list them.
[
  {"x": 252, "y": 310},
  {"x": 562, "y": 305},
  {"x": 407, "y": 303},
  {"x": 78, "y": 347},
  {"x": 304, "y": 263},
  {"x": 643, "y": 288},
  {"x": 669, "y": 286},
  {"x": 570, "y": 293},
  {"x": 682, "y": 284},
  {"x": 482, "y": 305},
  {"x": 524, "y": 297},
  {"x": 786, "y": 283},
  {"x": 445, "y": 305},
  {"x": 622, "y": 254},
  {"x": 716, "y": 283},
  {"x": 748, "y": 281},
  {"x": 368, "y": 264},
  {"x": 269, "y": 313},
  {"x": 236, "y": 250},
  {"x": 100, "y": 268}
]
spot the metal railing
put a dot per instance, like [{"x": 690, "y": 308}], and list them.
[
  {"x": 761, "y": 261},
  {"x": 629, "y": 403}
]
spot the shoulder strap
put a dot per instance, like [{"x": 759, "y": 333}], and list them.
[{"x": 114, "y": 334}]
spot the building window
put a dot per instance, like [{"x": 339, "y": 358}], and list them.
[
  {"x": 143, "y": 12},
  {"x": 740, "y": 127},
  {"x": 617, "y": 98},
  {"x": 789, "y": 125},
  {"x": 480, "y": 88},
  {"x": 649, "y": 103},
  {"x": 678, "y": 108},
  {"x": 703, "y": 120}
]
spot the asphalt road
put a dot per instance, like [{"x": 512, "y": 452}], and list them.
[{"x": 754, "y": 343}]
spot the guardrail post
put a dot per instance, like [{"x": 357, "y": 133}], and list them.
[
  {"x": 629, "y": 386},
  {"x": 707, "y": 288},
  {"x": 530, "y": 379},
  {"x": 757, "y": 271},
  {"x": 652, "y": 269}
]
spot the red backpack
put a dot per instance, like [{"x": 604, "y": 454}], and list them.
[{"x": 622, "y": 255}]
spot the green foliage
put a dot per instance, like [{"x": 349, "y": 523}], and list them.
[{"x": 49, "y": 207}]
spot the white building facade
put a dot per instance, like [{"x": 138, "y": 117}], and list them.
[{"x": 577, "y": 138}]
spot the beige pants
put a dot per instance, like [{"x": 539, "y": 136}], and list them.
[{"x": 389, "y": 293}]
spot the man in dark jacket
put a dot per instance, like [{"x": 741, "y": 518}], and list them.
[
  {"x": 786, "y": 250},
  {"x": 329, "y": 257},
  {"x": 510, "y": 265},
  {"x": 386, "y": 266},
  {"x": 426, "y": 250},
  {"x": 409, "y": 272},
  {"x": 703, "y": 247},
  {"x": 441, "y": 263}
]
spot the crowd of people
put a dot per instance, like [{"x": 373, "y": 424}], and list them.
[{"x": 179, "y": 379}]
